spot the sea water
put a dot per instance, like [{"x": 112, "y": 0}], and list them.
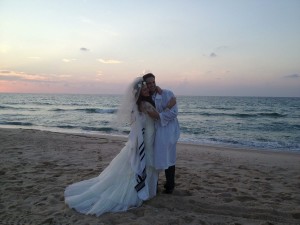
[{"x": 247, "y": 122}]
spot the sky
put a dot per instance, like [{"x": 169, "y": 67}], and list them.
[{"x": 193, "y": 47}]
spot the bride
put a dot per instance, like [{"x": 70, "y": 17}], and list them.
[{"x": 130, "y": 178}]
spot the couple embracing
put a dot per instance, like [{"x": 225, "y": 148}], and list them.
[{"x": 132, "y": 176}]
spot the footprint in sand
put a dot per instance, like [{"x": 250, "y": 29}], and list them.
[
  {"x": 245, "y": 198},
  {"x": 182, "y": 193}
]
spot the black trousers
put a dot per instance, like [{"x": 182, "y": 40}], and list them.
[{"x": 170, "y": 178}]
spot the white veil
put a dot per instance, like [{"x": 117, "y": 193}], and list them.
[{"x": 128, "y": 105}]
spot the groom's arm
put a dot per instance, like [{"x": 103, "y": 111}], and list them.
[{"x": 169, "y": 114}]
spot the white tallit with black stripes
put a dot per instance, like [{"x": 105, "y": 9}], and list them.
[{"x": 138, "y": 157}]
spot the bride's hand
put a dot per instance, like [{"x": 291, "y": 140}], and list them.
[
  {"x": 153, "y": 114},
  {"x": 159, "y": 90}
]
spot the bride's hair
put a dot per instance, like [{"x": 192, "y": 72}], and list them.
[
  {"x": 137, "y": 88},
  {"x": 129, "y": 103},
  {"x": 144, "y": 99}
]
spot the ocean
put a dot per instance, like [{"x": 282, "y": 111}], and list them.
[{"x": 265, "y": 123}]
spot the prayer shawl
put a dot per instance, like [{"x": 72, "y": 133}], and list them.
[{"x": 137, "y": 157}]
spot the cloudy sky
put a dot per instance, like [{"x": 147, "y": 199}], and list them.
[{"x": 194, "y": 47}]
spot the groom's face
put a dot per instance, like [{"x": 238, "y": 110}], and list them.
[{"x": 150, "y": 81}]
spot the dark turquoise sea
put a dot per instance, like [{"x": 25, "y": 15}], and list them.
[{"x": 249, "y": 122}]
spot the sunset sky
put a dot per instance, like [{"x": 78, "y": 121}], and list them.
[{"x": 194, "y": 47}]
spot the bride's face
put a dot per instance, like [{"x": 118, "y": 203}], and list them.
[{"x": 145, "y": 91}]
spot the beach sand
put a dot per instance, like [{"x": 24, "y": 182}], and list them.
[{"x": 214, "y": 185}]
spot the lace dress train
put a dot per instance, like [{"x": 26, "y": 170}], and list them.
[{"x": 114, "y": 189}]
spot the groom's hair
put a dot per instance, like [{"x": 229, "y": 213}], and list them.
[{"x": 146, "y": 76}]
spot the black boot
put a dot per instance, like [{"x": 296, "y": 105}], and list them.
[{"x": 170, "y": 177}]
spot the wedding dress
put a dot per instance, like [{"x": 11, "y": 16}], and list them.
[{"x": 114, "y": 189}]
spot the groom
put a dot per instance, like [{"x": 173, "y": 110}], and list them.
[{"x": 167, "y": 132}]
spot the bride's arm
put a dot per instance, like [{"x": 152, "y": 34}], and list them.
[
  {"x": 150, "y": 110},
  {"x": 153, "y": 114}
]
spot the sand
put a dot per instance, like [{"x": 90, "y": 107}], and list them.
[{"x": 214, "y": 185}]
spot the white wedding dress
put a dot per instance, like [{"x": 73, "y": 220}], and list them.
[{"x": 114, "y": 189}]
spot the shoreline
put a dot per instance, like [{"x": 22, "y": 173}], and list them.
[
  {"x": 99, "y": 134},
  {"x": 214, "y": 185}
]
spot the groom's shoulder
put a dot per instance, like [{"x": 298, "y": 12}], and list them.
[{"x": 167, "y": 92}]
